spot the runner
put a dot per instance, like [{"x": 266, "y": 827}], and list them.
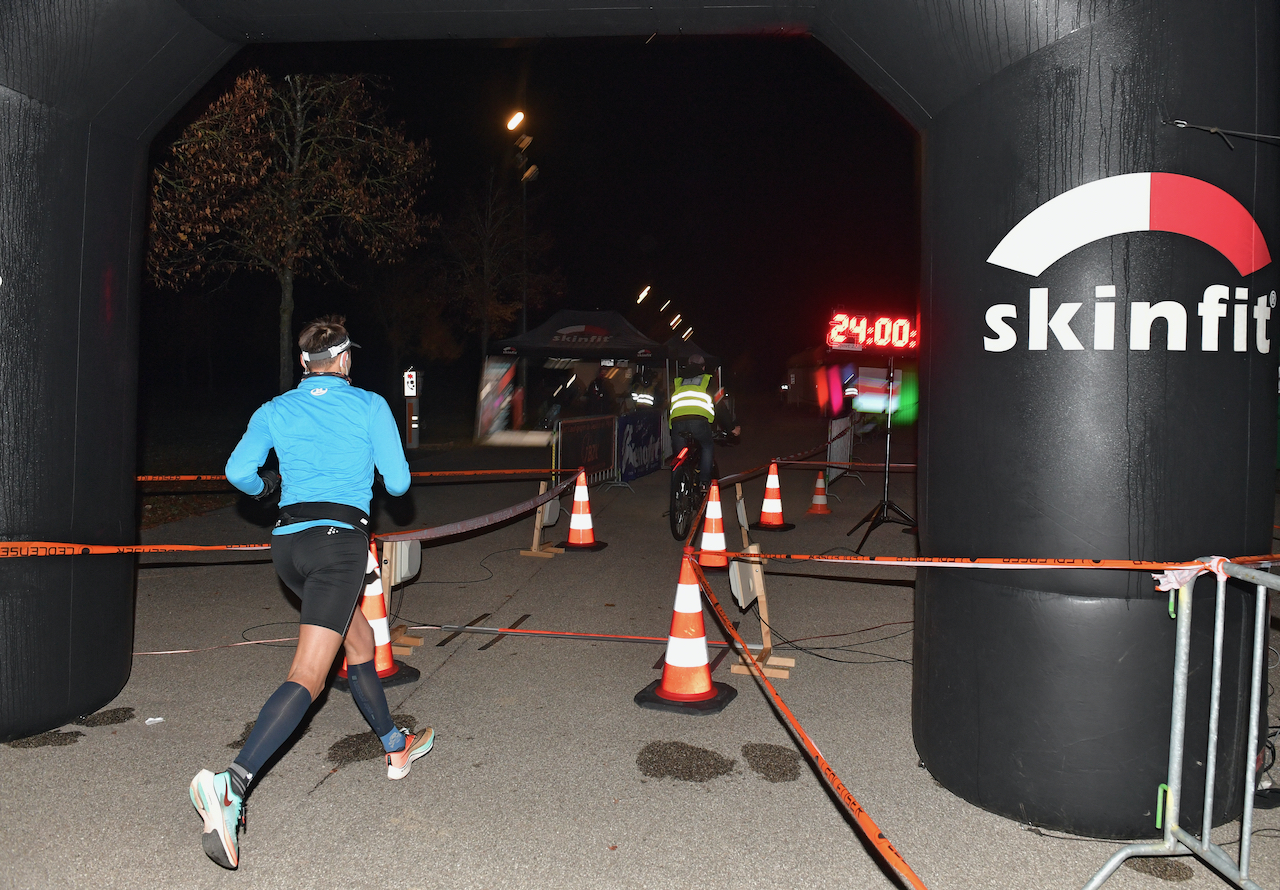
[{"x": 328, "y": 436}]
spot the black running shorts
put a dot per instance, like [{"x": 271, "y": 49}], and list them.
[{"x": 325, "y": 566}]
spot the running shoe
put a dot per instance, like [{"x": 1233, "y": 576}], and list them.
[
  {"x": 223, "y": 813},
  {"x": 398, "y": 762}
]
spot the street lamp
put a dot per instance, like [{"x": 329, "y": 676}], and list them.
[
  {"x": 528, "y": 173},
  {"x": 644, "y": 293}
]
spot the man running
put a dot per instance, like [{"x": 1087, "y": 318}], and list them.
[{"x": 329, "y": 436}]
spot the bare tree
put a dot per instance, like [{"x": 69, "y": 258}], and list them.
[{"x": 485, "y": 247}]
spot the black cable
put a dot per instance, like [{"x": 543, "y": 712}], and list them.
[
  {"x": 816, "y": 651},
  {"x": 394, "y": 611},
  {"x": 244, "y": 634}
]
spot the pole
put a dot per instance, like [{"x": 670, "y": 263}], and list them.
[{"x": 524, "y": 281}]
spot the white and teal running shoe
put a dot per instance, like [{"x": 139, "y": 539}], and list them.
[
  {"x": 415, "y": 745},
  {"x": 223, "y": 813}
]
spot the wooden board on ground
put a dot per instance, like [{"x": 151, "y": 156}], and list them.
[
  {"x": 401, "y": 638},
  {"x": 538, "y": 548},
  {"x": 747, "y": 577}
]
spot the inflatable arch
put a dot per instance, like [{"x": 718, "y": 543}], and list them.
[{"x": 1129, "y": 413}]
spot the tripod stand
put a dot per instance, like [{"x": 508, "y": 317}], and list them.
[{"x": 884, "y": 511}]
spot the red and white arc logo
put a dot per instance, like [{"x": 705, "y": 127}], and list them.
[
  {"x": 1117, "y": 205},
  {"x": 1133, "y": 202}
]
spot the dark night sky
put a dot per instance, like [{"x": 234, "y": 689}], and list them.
[{"x": 758, "y": 183}]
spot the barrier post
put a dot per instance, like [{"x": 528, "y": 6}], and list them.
[
  {"x": 1177, "y": 840},
  {"x": 542, "y": 517},
  {"x": 746, "y": 577}
]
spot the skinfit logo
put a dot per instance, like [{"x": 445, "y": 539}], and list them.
[
  {"x": 582, "y": 334},
  {"x": 1134, "y": 202}
]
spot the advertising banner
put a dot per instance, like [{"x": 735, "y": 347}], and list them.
[
  {"x": 639, "y": 444},
  {"x": 587, "y": 442},
  {"x": 493, "y": 409}
]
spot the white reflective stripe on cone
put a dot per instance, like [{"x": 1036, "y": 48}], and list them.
[
  {"x": 713, "y": 541},
  {"x": 713, "y": 510},
  {"x": 772, "y": 505},
  {"x": 686, "y": 653},
  {"x": 580, "y": 521},
  {"x": 381, "y": 633},
  {"x": 688, "y": 599},
  {"x": 580, "y": 494}
]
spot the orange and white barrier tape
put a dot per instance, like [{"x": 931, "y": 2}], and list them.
[
  {"x": 990, "y": 562},
  {"x": 848, "y": 465},
  {"x": 15, "y": 549},
  {"x": 9, "y": 549},
  {"x": 422, "y": 474},
  {"x": 866, "y": 825}
]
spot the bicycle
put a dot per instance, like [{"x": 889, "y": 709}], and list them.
[{"x": 686, "y": 491}]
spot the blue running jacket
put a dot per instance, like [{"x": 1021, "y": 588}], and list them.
[{"x": 329, "y": 436}]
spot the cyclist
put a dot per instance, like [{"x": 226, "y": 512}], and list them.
[{"x": 693, "y": 410}]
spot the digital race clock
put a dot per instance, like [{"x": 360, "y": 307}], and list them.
[{"x": 856, "y": 333}]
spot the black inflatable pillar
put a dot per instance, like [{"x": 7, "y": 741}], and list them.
[
  {"x": 1099, "y": 374},
  {"x": 83, "y": 88}
]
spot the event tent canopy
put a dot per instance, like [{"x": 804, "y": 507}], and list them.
[{"x": 572, "y": 333}]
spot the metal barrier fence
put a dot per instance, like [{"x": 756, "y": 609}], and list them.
[
  {"x": 612, "y": 448},
  {"x": 588, "y": 442},
  {"x": 1177, "y": 840},
  {"x": 839, "y": 446}
]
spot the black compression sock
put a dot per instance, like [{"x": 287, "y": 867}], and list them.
[
  {"x": 278, "y": 719},
  {"x": 367, "y": 691}
]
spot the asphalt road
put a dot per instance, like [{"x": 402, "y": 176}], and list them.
[{"x": 545, "y": 773}]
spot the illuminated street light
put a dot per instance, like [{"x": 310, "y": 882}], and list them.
[
  {"x": 675, "y": 321},
  {"x": 688, "y": 333},
  {"x": 664, "y": 306},
  {"x": 644, "y": 293},
  {"x": 529, "y": 172}
]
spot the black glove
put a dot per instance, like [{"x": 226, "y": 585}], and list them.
[{"x": 270, "y": 484}]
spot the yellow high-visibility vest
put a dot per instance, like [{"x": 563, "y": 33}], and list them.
[{"x": 691, "y": 399}]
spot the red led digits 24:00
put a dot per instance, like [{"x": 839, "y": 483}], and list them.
[{"x": 861, "y": 332}]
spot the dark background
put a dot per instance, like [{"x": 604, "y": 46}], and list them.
[{"x": 755, "y": 182}]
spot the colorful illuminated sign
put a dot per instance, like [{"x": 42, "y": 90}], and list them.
[{"x": 859, "y": 332}]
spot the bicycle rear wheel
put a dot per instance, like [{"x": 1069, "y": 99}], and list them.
[{"x": 684, "y": 500}]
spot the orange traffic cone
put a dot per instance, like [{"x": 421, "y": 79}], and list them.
[
  {"x": 581, "y": 534},
  {"x": 771, "y": 510},
  {"x": 686, "y": 686},
  {"x": 819, "y": 506},
  {"x": 374, "y": 608},
  {"x": 712, "y": 556}
]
